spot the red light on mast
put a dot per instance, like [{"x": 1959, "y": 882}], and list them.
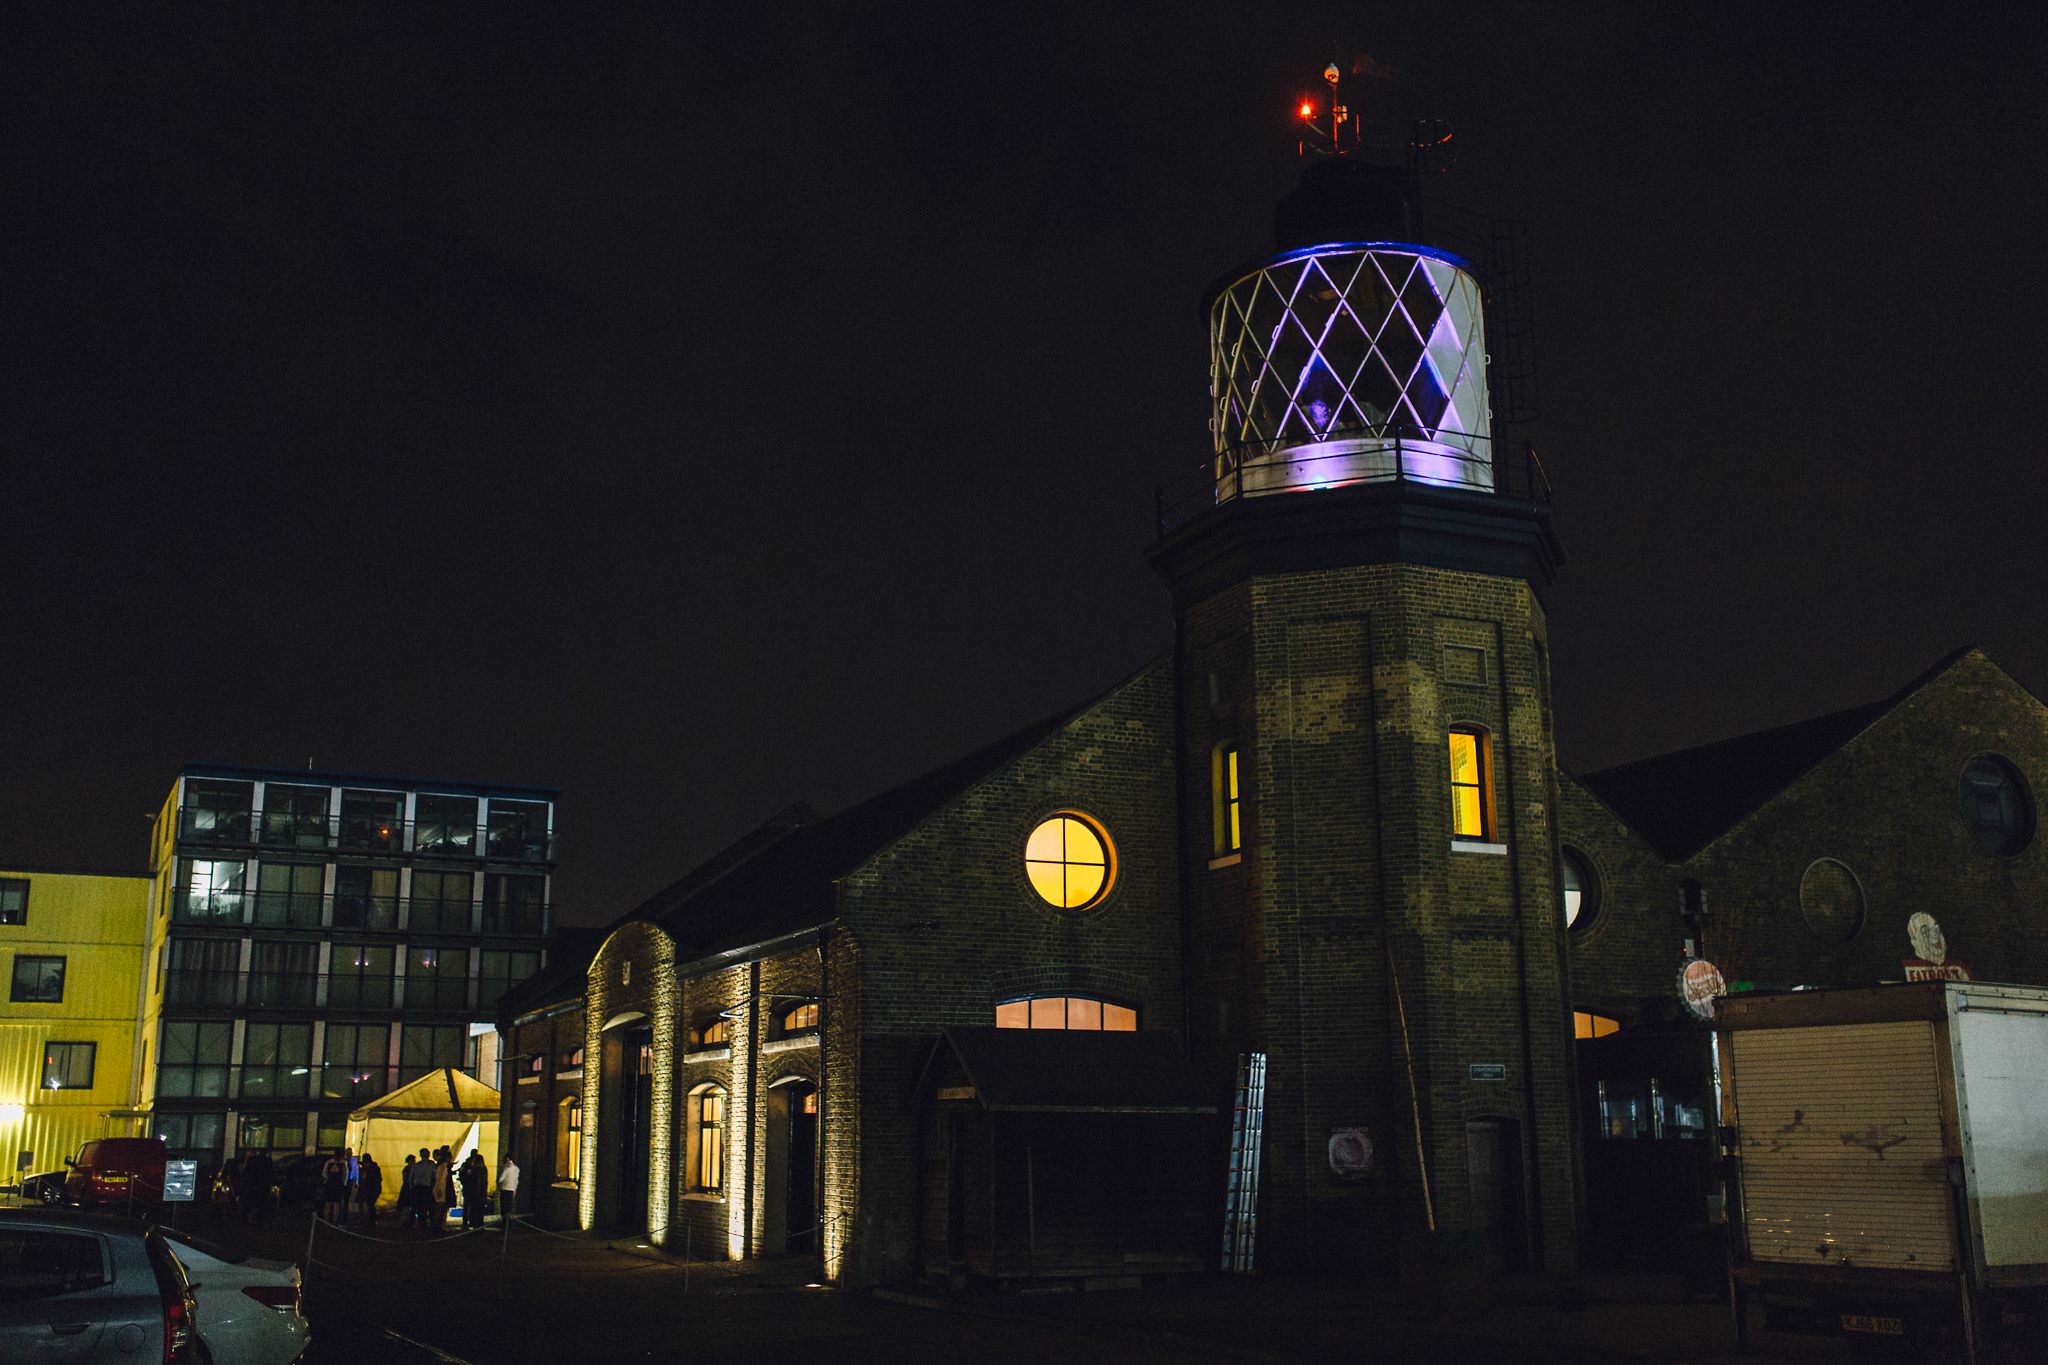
[{"x": 1307, "y": 110}]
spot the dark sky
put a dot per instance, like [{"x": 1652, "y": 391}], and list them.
[{"x": 701, "y": 417}]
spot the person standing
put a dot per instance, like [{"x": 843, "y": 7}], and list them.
[
  {"x": 351, "y": 1176},
  {"x": 333, "y": 1188},
  {"x": 476, "y": 1180},
  {"x": 444, "y": 1187},
  {"x": 508, "y": 1189},
  {"x": 419, "y": 1180},
  {"x": 369, "y": 1187},
  {"x": 258, "y": 1175}
]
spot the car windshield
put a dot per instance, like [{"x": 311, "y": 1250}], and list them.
[{"x": 206, "y": 1246}]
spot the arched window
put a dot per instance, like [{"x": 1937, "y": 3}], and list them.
[
  {"x": 713, "y": 1032},
  {"x": 705, "y": 1130},
  {"x": 1066, "y": 1012},
  {"x": 1471, "y": 784},
  {"x": 802, "y": 1019},
  {"x": 1581, "y": 887},
  {"x": 569, "y": 1139}
]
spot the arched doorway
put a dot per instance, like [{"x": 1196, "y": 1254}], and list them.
[
  {"x": 793, "y": 1167},
  {"x": 626, "y": 1098}
]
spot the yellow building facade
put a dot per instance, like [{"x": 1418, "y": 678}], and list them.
[{"x": 72, "y": 948}]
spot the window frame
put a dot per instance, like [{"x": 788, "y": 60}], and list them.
[
  {"x": 1109, "y": 864},
  {"x": 1226, "y": 799},
  {"x": 92, "y": 1050},
  {"x": 192, "y": 1062},
  {"x": 1066, "y": 1000},
  {"x": 707, "y": 1142},
  {"x": 1569, "y": 856},
  {"x": 14, "y": 995},
  {"x": 19, "y": 915},
  {"x": 569, "y": 1140},
  {"x": 1481, "y": 785}
]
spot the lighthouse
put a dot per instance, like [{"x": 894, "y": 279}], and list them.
[{"x": 1368, "y": 774}]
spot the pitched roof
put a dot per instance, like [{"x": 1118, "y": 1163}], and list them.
[
  {"x": 786, "y": 880},
  {"x": 561, "y": 980},
  {"x": 443, "y": 1094},
  {"x": 1077, "y": 1071},
  {"x": 1681, "y": 802}
]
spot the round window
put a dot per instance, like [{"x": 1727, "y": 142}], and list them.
[
  {"x": 1581, "y": 889},
  {"x": 1831, "y": 901},
  {"x": 1996, "y": 806},
  {"x": 1070, "y": 861}
]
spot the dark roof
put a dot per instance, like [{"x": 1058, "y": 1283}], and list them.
[
  {"x": 386, "y": 781},
  {"x": 782, "y": 879},
  {"x": 1681, "y": 802},
  {"x": 1021, "y": 1070},
  {"x": 558, "y": 982}
]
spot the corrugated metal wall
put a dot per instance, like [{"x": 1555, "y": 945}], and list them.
[{"x": 1841, "y": 1146}]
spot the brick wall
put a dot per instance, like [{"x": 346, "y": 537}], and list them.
[
  {"x": 631, "y": 977},
  {"x": 1333, "y": 685},
  {"x": 947, "y": 926}
]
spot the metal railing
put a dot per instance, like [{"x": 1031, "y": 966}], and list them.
[
  {"x": 511, "y": 840},
  {"x": 197, "y": 988},
  {"x": 348, "y": 910},
  {"x": 1347, "y": 460}
]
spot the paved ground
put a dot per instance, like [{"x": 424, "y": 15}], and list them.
[{"x": 537, "y": 1298}]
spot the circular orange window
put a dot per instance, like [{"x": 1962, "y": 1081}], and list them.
[{"x": 1070, "y": 861}]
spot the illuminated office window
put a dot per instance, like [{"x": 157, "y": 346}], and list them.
[{"x": 1066, "y": 1012}]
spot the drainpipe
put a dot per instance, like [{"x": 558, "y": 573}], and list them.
[{"x": 754, "y": 1139}]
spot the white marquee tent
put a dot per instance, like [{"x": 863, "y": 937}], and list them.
[{"x": 444, "y": 1108}]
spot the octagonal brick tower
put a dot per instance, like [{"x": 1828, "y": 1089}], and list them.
[{"x": 1368, "y": 769}]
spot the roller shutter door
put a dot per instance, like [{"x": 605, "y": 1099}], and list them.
[{"x": 1841, "y": 1146}]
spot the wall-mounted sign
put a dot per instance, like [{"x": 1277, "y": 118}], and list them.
[
  {"x": 181, "y": 1179},
  {"x": 1929, "y": 943},
  {"x": 1699, "y": 984},
  {"x": 1487, "y": 1071},
  {"x": 1919, "y": 969},
  {"x": 1350, "y": 1152}
]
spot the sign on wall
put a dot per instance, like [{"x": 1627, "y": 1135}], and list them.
[
  {"x": 1350, "y": 1153},
  {"x": 1699, "y": 984},
  {"x": 1919, "y": 969},
  {"x": 1487, "y": 1071}
]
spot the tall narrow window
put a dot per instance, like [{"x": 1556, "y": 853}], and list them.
[
  {"x": 1471, "y": 789},
  {"x": 711, "y": 1141},
  {"x": 569, "y": 1138},
  {"x": 1225, "y": 805},
  {"x": 13, "y": 900}
]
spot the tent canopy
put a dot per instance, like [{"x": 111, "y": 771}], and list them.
[
  {"x": 445, "y": 1094},
  {"x": 441, "y": 1109}
]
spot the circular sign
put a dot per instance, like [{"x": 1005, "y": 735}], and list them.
[
  {"x": 1350, "y": 1153},
  {"x": 1698, "y": 984},
  {"x": 1929, "y": 943}
]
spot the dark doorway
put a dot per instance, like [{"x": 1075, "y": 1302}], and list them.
[
  {"x": 634, "y": 1071},
  {"x": 1493, "y": 1171},
  {"x": 800, "y": 1179}
]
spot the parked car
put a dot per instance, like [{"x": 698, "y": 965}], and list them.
[
  {"x": 46, "y": 1188},
  {"x": 91, "y": 1289},
  {"x": 248, "y": 1307},
  {"x": 117, "y": 1171}
]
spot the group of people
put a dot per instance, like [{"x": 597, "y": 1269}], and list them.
[{"x": 430, "y": 1187}]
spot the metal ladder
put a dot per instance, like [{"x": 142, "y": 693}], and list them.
[{"x": 1247, "y": 1131}]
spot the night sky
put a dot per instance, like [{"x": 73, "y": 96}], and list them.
[{"x": 702, "y": 416}]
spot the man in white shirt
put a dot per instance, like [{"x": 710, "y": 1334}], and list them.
[{"x": 508, "y": 1188}]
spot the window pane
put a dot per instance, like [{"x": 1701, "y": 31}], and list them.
[
  {"x": 1084, "y": 1013},
  {"x": 1048, "y": 880},
  {"x": 1464, "y": 757},
  {"x": 1082, "y": 845},
  {"x": 1014, "y": 1014},
  {"x": 38, "y": 1265},
  {"x": 1119, "y": 1019},
  {"x": 1049, "y": 1011},
  {"x": 1465, "y": 822}
]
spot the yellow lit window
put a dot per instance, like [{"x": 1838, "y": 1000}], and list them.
[
  {"x": 711, "y": 1140},
  {"x": 811, "y": 1102},
  {"x": 1586, "y": 1025},
  {"x": 1228, "y": 808},
  {"x": 717, "y": 1033},
  {"x": 1469, "y": 786},
  {"x": 801, "y": 1018},
  {"x": 569, "y": 1139},
  {"x": 1066, "y": 1012},
  {"x": 1070, "y": 861}
]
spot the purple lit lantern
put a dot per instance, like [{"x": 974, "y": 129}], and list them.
[{"x": 1348, "y": 363}]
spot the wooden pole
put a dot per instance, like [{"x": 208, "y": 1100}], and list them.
[{"x": 1414, "y": 1103}]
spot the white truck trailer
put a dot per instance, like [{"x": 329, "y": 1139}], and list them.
[{"x": 1888, "y": 1164}]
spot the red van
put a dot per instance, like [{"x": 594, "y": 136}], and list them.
[{"x": 116, "y": 1171}]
